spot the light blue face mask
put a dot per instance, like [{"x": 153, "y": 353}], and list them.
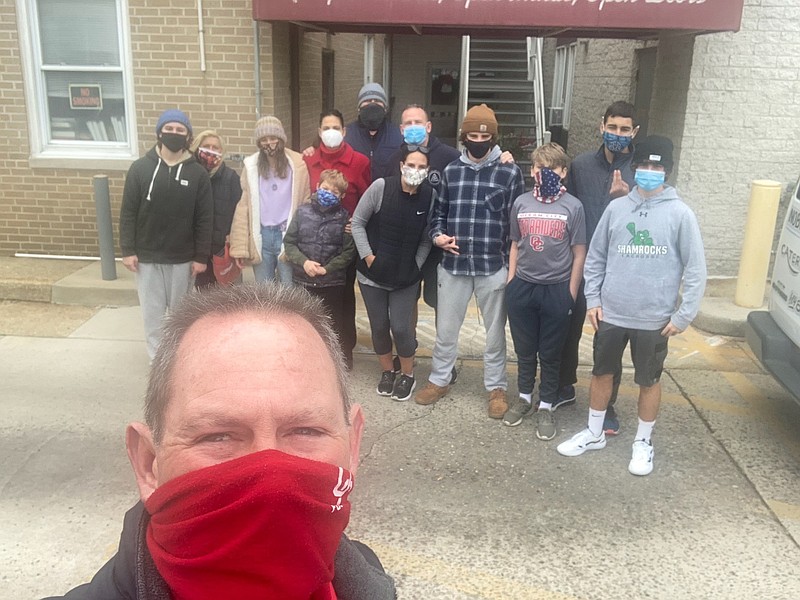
[
  {"x": 414, "y": 134},
  {"x": 649, "y": 180}
]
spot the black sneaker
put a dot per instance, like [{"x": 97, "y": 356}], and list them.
[
  {"x": 566, "y": 397},
  {"x": 386, "y": 384},
  {"x": 611, "y": 422},
  {"x": 403, "y": 388},
  {"x": 453, "y": 376}
]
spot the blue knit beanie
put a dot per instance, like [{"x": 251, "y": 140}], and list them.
[{"x": 173, "y": 115}]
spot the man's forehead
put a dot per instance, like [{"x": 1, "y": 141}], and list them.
[
  {"x": 414, "y": 114},
  {"x": 620, "y": 121},
  {"x": 251, "y": 328},
  {"x": 175, "y": 124}
]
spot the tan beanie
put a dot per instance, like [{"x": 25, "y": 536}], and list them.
[
  {"x": 270, "y": 125},
  {"x": 479, "y": 119}
]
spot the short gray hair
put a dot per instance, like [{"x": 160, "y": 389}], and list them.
[{"x": 262, "y": 300}]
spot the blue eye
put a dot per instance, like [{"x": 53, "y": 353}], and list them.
[
  {"x": 308, "y": 431},
  {"x": 215, "y": 438}
]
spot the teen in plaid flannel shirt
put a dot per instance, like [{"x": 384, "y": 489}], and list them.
[{"x": 471, "y": 224}]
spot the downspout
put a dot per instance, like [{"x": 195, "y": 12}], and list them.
[
  {"x": 201, "y": 35},
  {"x": 294, "y": 81},
  {"x": 463, "y": 91},
  {"x": 257, "y": 67}
]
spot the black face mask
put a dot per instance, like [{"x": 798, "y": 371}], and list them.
[
  {"x": 371, "y": 116},
  {"x": 478, "y": 149},
  {"x": 174, "y": 141}
]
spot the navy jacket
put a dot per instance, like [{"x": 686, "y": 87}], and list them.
[
  {"x": 589, "y": 180},
  {"x": 379, "y": 148},
  {"x": 439, "y": 156}
]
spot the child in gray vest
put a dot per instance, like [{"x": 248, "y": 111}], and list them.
[{"x": 319, "y": 250}]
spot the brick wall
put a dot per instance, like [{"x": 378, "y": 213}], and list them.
[
  {"x": 51, "y": 210},
  {"x": 741, "y": 123},
  {"x": 670, "y": 87},
  {"x": 604, "y": 72}
]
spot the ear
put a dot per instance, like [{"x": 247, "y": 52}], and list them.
[
  {"x": 356, "y": 431},
  {"x": 344, "y": 131},
  {"x": 428, "y": 126},
  {"x": 142, "y": 454},
  {"x": 602, "y": 125},
  {"x": 635, "y": 131}
]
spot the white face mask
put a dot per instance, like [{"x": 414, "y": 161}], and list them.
[
  {"x": 414, "y": 177},
  {"x": 332, "y": 138}
]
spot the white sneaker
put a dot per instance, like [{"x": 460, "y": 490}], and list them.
[
  {"x": 581, "y": 442},
  {"x": 642, "y": 459}
]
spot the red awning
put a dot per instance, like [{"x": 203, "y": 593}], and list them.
[{"x": 490, "y": 18}]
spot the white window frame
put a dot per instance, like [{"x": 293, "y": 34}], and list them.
[
  {"x": 563, "y": 76},
  {"x": 45, "y": 152},
  {"x": 369, "y": 58}
]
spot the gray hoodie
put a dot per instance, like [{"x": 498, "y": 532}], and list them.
[{"x": 641, "y": 251}]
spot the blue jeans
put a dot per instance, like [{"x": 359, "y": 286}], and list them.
[{"x": 271, "y": 241}]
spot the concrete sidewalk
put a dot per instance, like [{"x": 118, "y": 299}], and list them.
[
  {"x": 80, "y": 283},
  {"x": 457, "y": 506}
]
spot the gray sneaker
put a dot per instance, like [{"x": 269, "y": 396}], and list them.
[
  {"x": 545, "y": 424},
  {"x": 518, "y": 410}
]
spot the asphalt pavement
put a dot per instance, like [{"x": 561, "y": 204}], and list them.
[{"x": 456, "y": 505}]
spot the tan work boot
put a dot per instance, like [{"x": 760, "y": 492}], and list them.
[
  {"x": 497, "y": 403},
  {"x": 431, "y": 393}
]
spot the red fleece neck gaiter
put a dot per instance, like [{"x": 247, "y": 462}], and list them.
[{"x": 263, "y": 526}]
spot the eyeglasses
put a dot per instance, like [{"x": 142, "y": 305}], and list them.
[{"x": 417, "y": 148}]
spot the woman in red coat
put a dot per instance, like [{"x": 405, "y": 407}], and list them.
[{"x": 334, "y": 153}]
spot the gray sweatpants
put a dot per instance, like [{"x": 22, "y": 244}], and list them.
[
  {"x": 455, "y": 292},
  {"x": 160, "y": 288}
]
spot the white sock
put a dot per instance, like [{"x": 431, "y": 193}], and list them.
[
  {"x": 645, "y": 430},
  {"x": 596, "y": 418},
  {"x": 545, "y": 405},
  {"x": 527, "y": 397}
]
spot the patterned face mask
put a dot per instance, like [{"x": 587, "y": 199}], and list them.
[
  {"x": 547, "y": 186},
  {"x": 327, "y": 198},
  {"x": 616, "y": 143},
  {"x": 210, "y": 159},
  {"x": 414, "y": 177}
]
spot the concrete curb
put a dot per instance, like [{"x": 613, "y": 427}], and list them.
[
  {"x": 80, "y": 283},
  {"x": 88, "y": 288},
  {"x": 722, "y": 317}
]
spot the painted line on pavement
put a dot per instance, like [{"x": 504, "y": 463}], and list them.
[
  {"x": 460, "y": 579},
  {"x": 756, "y": 399},
  {"x": 784, "y": 510}
]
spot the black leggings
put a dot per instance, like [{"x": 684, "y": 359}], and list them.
[{"x": 391, "y": 310}]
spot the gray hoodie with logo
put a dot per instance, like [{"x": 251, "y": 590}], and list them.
[{"x": 642, "y": 249}]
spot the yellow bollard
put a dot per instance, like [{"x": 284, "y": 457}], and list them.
[{"x": 765, "y": 196}]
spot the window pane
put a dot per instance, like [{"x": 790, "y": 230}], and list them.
[
  {"x": 79, "y": 32},
  {"x": 106, "y": 123}
]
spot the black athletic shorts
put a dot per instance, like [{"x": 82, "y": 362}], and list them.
[{"x": 648, "y": 351}]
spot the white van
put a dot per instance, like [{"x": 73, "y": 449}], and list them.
[{"x": 774, "y": 335}]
